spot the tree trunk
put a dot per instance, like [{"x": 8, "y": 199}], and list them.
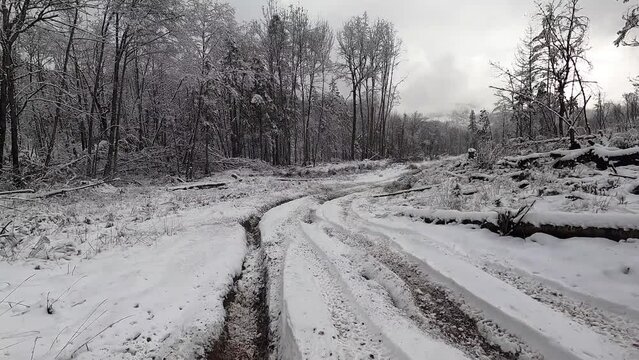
[
  {"x": 354, "y": 128},
  {"x": 3, "y": 110},
  {"x": 13, "y": 112},
  {"x": 62, "y": 89},
  {"x": 115, "y": 95}
]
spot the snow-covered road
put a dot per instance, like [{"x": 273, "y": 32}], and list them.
[{"x": 349, "y": 283}]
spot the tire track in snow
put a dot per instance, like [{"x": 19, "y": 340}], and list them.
[
  {"x": 544, "y": 329},
  {"x": 278, "y": 231},
  {"x": 439, "y": 313},
  {"x": 623, "y": 330},
  {"x": 300, "y": 285},
  {"x": 378, "y": 294},
  {"x": 355, "y": 337}
]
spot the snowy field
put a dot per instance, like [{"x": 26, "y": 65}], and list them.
[{"x": 314, "y": 264}]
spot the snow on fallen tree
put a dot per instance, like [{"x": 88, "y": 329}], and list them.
[
  {"x": 197, "y": 186},
  {"x": 602, "y": 156},
  {"x": 444, "y": 217},
  {"x": 67, "y": 190},
  {"x": 519, "y": 142},
  {"x": 522, "y": 161},
  {"x": 558, "y": 224},
  {"x": 404, "y": 192},
  {"x": 481, "y": 177}
]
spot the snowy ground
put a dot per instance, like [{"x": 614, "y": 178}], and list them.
[
  {"x": 132, "y": 272},
  {"x": 328, "y": 272},
  {"x": 358, "y": 283}
]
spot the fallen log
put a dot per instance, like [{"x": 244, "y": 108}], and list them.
[
  {"x": 13, "y": 198},
  {"x": 481, "y": 177},
  {"x": 550, "y": 141},
  {"x": 526, "y": 229},
  {"x": 459, "y": 176},
  {"x": 404, "y": 192},
  {"x": 623, "y": 176},
  {"x": 64, "y": 191},
  {"x": 602, "y": 157},
  {"x": 293, "y": 179},
  {"x": 197, "y": 186},
  {"x": 14, "y": 192},
  {"x": 523, "y": 161},
  {"x": 469, "y": 191},
  {"x": 615, "y": 227}
]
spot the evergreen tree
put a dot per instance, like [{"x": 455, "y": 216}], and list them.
[
  {"x": 484, "y": 124},
  {"x": 473, "y": 129}
]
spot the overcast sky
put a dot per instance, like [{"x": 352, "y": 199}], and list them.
[{"x": 447, "y": 45}]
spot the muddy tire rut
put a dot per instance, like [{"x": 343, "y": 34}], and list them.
[{"x": 246, "y": 329}]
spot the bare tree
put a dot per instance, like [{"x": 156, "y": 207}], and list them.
[
  {"x": 352, "y": 40},
  {"x": 632, "y": 22},
  {"x": 18, "y": 17}
]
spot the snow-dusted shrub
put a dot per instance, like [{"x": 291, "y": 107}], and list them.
[
  {"x": 601, "y": 203},
  {"x": 8, "y": 246},
  {"x": 449, "y": 197},
  {"x": 487, "y": 155},
  {"x": 544, "y": 180},
  {"x": 625, "y": 140},
  {"x": 405, "y": 182},
  {"x": 489, "y": 196},
  {"x": 508, "y": 220}
]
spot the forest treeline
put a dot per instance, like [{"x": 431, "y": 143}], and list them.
[
  {"x": 546, "y": 93},
  {"x": 182, "y": 83},
  {"x": 113, "y": 86}
]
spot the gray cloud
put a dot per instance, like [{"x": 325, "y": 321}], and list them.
[{"x": 448, "y": 45}]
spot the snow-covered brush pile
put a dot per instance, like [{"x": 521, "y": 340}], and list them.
[
  {"x": 333, "y": 169},
  {"x": 600, "y": 181}
]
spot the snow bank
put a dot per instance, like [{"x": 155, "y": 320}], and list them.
[
  {"x": 448, "y": 216},
  {"x": 584, "y": 220},
  {"x": 614, "y": 226},
  {"x": 146, "y": 301}
]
